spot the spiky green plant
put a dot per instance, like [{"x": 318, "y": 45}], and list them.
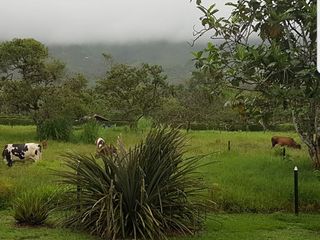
[
  {"x": 59, "y": 128},
  {"x": 33, "y": 207},
  {"x": 146, "y": 193}
]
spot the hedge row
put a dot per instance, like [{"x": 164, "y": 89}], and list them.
[{"x": 15, "y": 120}]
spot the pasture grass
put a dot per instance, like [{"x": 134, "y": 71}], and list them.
[
  {"x": 250, "y": 178},
  {"x": 218, "y": 227},
  {"x": 9, "y": 230},
  {"x": 260, "y": 226}
]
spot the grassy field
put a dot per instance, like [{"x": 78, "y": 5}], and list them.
[{"x": 251, "y": 179}]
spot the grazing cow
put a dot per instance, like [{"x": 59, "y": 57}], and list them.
[
  {"x": 21, "y": 152},
  {"x": 284, "y": 141}
]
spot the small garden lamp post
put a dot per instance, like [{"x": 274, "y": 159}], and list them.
[{"x": 296, "y": 193}]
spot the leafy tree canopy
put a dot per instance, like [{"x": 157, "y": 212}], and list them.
[
  {"x": 131, "y": 92},
  {"x": 268, "y": 47}
]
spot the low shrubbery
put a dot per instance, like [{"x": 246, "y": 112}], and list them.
[
  {"x": 283, "y": 127},
  {"x": 146, "y": 192},
  {"x": 33, "y": 207},
  {"x": 59, "y": 128},
  {"x": 15, "y": 120},
  {"x": 90, "y": 132}
]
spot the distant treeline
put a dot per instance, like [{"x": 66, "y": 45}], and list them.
[{"x": 174, "y": 57}]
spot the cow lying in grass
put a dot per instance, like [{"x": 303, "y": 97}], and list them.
[
  {"x": 21, "y": 152},
  {"x": 284, "y": 141}
]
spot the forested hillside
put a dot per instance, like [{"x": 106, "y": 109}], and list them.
[{"x": 175, "y": 58}]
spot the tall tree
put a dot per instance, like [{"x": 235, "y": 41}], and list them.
[
  {"x": 131, "y": 92},
  {"x": 269, "y": 47},
  {"x": 27, "y": 72}
]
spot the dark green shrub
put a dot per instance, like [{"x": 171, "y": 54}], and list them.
[
  {"x": 57, "y": 129},
  {"x": 90, "y": 132},
  {"x": 146, "y": 192},
  {"x": 283, "y": 127},
  {"x": 33, "y": 207},
  {"x": 255, "y": 127}
]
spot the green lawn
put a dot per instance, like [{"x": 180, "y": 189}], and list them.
[
  {"x": 251, "y": 178},
  {"x": 10, "y": 231},
  {"x": 218, "y": 227},
  {"x": 259, "y": 226}
]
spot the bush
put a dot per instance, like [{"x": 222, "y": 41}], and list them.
[
  {"x": 56, "y": 129},
  {"x": 33, "y": 207},
  {"x": 90, "y": 132},
  {"x": 283, "y": 127},
  {"x": 143, "y": 193}
]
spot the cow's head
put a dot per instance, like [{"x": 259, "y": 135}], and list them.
[{"x": 100, "y": 142}]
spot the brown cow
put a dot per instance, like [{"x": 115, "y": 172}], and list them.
[{"x": 284, "y": 141}]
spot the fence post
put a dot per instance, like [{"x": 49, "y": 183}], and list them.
[
  {"x": 284, "y": 153},
  {"x": 229, "y": 145},
  {"x": 296, "y": 192}
]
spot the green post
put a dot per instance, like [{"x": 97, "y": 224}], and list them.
[{"x": 296, "y": 192}]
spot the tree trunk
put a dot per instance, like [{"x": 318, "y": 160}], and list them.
[
  {"x": 314, "y": 155},
  {"x": 307, "y": 126},
  {"x": 188, "y": 126}
]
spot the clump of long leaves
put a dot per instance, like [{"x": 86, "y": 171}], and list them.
[
  {"x": 33, "y": 207},
  {"x": 146, "y": 192}
]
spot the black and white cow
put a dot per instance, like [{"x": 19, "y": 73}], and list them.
[{"x": 21, "y": 152}]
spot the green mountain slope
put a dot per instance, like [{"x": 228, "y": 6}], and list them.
[{"x": 175, "y": 58}]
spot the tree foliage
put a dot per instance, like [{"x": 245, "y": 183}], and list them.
[
  {"x": 26, "y": 72},
  {"x": 268, "y": 47},
  {"x": 131, "y": 92},
  {"x": 34, "y": 84}
]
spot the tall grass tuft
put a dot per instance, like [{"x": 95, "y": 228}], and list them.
[
  {"x": 90, "y": 132},
  {"x": 144, "y": 124},
  {"x": 149, "y": 193},
  {"x": 33, "y": 207},
  {"x": 57, "y": 129}
]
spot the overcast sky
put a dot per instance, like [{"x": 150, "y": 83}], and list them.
[{"x": 83, "y": 21}]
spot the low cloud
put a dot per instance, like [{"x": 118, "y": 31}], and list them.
[{"x": 83, "y": 21}]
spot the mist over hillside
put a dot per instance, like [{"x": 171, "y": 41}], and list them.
[{"x": 175, "y": 58}]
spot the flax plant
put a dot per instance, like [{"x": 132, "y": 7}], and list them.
[{"x": 149, "y": 191}]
